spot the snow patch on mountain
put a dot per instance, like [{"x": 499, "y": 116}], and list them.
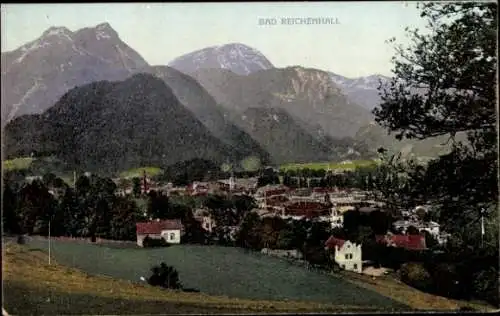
[
  {"x": 101, "y": 35},
  {"x": 30, "y": 48},
  {"x": 15, "y": 108},
  {"x": 124, "y": 57},
  {"x": 60, "y": 32}
]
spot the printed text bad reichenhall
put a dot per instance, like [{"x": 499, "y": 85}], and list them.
[{"x": 298, "y": 21}]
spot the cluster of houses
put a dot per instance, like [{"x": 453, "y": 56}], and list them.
[
  {"x": 196, "y": 188},
  {"x": 348, "y": 255},
  {"x": 318, "y": 204}
]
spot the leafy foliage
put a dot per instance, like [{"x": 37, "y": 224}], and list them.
[
  {"x": 267, "y": 177},
  {"x": 445, "y": 81},
  {"x": 91, "y": 209},
  {"x": 164, "y": 276},
  {"x": 416, "y": 275}
]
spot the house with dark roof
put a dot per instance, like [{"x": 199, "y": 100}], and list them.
[
  {"x": 347, "y": 254},
  {"x": 169, "y": 230}
]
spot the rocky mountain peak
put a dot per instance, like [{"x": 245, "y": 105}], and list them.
[
  {"x": 105, "y": 31},
  {"x": 236, "y": 57},
  {"x": 59, "y": 31}
]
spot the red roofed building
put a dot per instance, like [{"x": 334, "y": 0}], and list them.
[
  {"x": 332, "y": 242},
  {"x": 409, "y": 242},
  {"x": 277, "y": 201},
  {"x": 271, "y": 190},
  {"x": 321, "y": 190},
  {"x": 170, "y": 230},
  {"x": 307, "y": 210}
]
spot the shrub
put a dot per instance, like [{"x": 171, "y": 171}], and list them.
[
  {"x": 21, "y": 240},
  {"x": 447, "y": 281},
  {"x": 415, "y": 274},
  {"x": 467, "y": 309},
  {"x": 485, "y": 285},
  {"x": 149, "y": 242},
  {"x": 164, "y": 276}
]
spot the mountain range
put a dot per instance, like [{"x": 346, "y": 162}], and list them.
[
  {"x": 307, "y": 94},
  {"x": 363, "y": 90},
  {"x": 231, "y": 94}
]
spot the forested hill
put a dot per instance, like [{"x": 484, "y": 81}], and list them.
[{"x": 109, "y": 126}]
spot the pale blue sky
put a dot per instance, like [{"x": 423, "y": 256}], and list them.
[{"x": 162, "y": 31}]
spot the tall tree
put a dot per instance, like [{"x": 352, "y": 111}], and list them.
[
  {"x": 125, "y": 214},
  {"x": 136, "y": 186},
  {"x": 158, "y": 205},
  {"x": 73, "y": 216},
  {"x": 444, "y": 84},
  {"x": 10, "y": 219},
  {"x": 36, "y": 208},
  {"x": 248, "y": 235}
]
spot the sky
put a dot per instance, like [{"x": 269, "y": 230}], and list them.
[{"x": 354, "y": 46}]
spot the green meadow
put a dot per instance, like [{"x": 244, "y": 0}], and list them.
[
  {"x": 17, "y": 163},
  {"x": 139, "y": 172},
  {"x": 348, "y": 165}
]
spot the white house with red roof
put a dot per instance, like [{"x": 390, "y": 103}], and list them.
[
  {"x": 347, "y": 254},
  {"x": 170, "y": 230}
]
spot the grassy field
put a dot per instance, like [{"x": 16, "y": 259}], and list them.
[
  {"x": 17, "y": 163},
  {"x": 350, "y": 165},
  {"x": 32, "y": 286},
  {"x": 138, "y": 172},
  {"x": 220, "y": 271}
]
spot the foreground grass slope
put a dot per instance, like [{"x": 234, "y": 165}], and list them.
[
  {"x": 33, "y": 287},
  {"x": 220, "y": 271}
]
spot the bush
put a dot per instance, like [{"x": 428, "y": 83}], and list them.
[
  {"x": 467, "y": 309},
  {"x": 164, "y": 276},
  {"x": 415, "y": 274},
  {"x": 21, "y": 240},
  {"x": 149, "y": 242},
  {"x": 447, "y": 281},
  {"x": 485, "y": 285}
]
